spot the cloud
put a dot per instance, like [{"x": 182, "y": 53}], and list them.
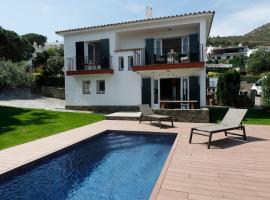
[{"x": 241, "y": 21}]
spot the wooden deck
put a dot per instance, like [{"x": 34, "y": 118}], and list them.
[{"x": 231, "y": 169}]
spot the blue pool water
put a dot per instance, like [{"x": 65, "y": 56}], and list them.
[{"x": 110, "y": 166}]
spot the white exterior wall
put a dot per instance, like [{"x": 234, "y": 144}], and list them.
[{"x": 123, "y": 88}]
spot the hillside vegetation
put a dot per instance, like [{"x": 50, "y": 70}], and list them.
[{"x": 258, "y": 37}]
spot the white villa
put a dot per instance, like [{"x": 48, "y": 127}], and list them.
[{"x": 155, "y": 61}]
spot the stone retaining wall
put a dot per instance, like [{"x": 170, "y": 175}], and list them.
[
  {"x": 187, "y": 115},
  {"x": 180, "y": 115},
  {"x": 54, "y": 92},
  {"x": 105, "y": 109}
]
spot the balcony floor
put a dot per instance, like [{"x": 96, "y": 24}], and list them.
[
  {"x": 83, "y": 72},
  {"x": 168, "y": 66}
]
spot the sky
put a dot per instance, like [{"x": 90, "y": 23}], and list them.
[{"x": 233, "y": 17}]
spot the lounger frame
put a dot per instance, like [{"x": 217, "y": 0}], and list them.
[{"x": 217, "y": 131}]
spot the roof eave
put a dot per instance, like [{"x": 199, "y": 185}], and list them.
[{"x": 104, "y": 27}]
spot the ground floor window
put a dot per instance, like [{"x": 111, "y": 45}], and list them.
[
  {"x": 100, "y": 86},
  {"x": 130, "y": 62},
  {"x": 121, "y": 63},
  {"x": 86, "y": 87}
]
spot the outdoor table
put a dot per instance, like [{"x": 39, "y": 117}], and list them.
[{"x": 191, "y": 102}]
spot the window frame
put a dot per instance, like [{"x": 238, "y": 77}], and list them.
[
  {"x": 98, "y": 87},
  {"x": 130, "y": 65},
  {"x": 86, "y": 90},
  {"x": 120, "y": 59}
]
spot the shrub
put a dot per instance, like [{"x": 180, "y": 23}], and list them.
[
  {"x": 266, "y": 91},
  {"x": 259, "y": 62},
  {"x": 250, "y": 78},
  {"x": 228, "y": 88},
  {"x": 14, "y": 74}
]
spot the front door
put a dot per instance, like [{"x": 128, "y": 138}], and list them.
[{"x": 146, "y": 91}]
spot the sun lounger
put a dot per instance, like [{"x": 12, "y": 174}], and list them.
[
  {"x": 146, "y": 112},
  {"x": 232, "y": 120}
]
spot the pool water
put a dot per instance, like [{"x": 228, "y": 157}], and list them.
[{"x": 110, "y": 166}]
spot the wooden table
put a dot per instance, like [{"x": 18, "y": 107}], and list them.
[{"x": 191, "y": 102}]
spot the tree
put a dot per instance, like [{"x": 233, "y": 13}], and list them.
[
  {"x": 41, "y": 59},
  {"x": 33, "y": 37},
  {"x": 228, "y": 88},
  {"x": 13, "y": 47},
  {"x": 266, "y": 91},
  {"x": 55, "y": 65},
  {"x": 14, "y": 74},
  {"x": 259, "y": 62},
  {"x": 238, "y": 61},
  {"x": 50, "y": 64}
]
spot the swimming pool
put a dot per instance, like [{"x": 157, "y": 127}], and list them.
[{"x": 112, "y": 165}]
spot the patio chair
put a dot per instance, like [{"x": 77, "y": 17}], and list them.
[
  {"x": 232, "y": 121},
  {"x": 146, "y": 112}
]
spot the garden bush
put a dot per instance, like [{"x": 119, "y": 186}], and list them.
[
  {"x": 250, "y": 78},
  {"x": 266, "y": 91},
  {"x": 228, "y": 88},
  {"x": 14, "y": 74}
]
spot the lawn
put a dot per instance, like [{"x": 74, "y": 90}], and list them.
[
  {"x": 254, "y": 116},
  {"x": 19, "y": 125}
]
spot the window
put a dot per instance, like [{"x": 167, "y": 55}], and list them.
[
  {"x": 185, "y": 45},
  {"x": 86, "y": 87},
  {"x": 100, "y": 87},
  {"x": 121, "y": 63},
  {"x": 158, "y": 47},
  {"x": 130, "y": 62}
]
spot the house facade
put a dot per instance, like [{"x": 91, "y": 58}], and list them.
[{"x": 158, "y": 61}]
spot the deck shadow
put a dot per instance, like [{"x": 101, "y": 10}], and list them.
[{"x": 231, "y": 141}]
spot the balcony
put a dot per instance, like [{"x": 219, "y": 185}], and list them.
[
  {"x": 169, "y": 58},
  {"x": 87, "y": 65}
]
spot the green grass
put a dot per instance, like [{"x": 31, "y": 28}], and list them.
[
  {"x": 254, "y": 116},
  {"x": 19, "y": 125}
]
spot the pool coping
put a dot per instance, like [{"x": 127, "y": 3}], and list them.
[
  {"x": 20, "y": 168},
  {"x": 165, "y": 167}
]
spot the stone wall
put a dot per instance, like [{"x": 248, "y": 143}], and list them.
[
  {"x": 187, "y": 115},
  {"x": 54, "y": 92},
  {"x": 105, "y": 109},
  {"x": 180, "y": 115}
]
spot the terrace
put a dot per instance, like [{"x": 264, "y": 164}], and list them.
[{"x": 232, "y": 169}]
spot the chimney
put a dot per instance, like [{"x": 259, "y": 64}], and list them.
[{"x": 148, "y": 12}]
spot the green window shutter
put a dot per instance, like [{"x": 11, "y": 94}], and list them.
[
  {"x": 80, "y": 55},
  {"x": 194, "y": 47},
  {"x": 194, "y": 89},
  {"x": 105, "y": 53},
  {"x": 149, "y": 50}
]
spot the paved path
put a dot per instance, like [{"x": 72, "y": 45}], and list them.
[
  {"x": 23, "y": 98},
  {"x": 231, "y": 169}
]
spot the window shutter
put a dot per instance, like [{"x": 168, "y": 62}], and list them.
[
  {"x": 80, "y": 55},
  {"x": 105, "y": 53},
  {"x": 194, "y": 47},
  {"x": 149, "y": 50},
  {"x": 194, "y": 89}
]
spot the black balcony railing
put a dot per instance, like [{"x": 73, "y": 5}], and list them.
[
  {"x": 182, "y": 54},
  {"x": 87, "y": 63}
]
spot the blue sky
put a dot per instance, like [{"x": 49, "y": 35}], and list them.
[{"x": 233, "y": 17}]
